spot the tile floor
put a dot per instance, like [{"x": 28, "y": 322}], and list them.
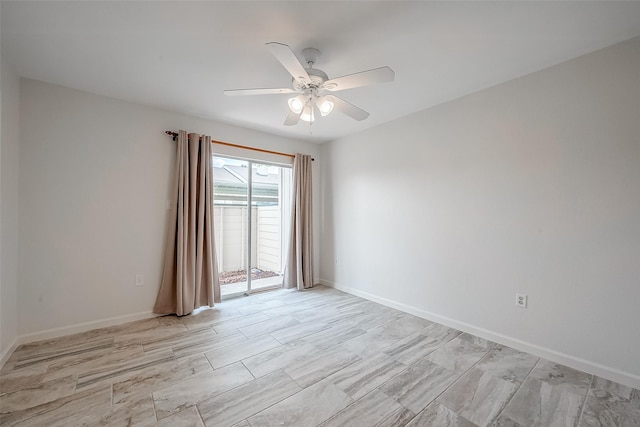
[{"x": 287, "y": 358}]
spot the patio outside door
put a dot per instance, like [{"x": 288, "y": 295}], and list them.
[{"x": 251, "y": 217}]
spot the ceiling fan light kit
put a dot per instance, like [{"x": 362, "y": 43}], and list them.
[
  {"x": 326, "y": 106},
  {"x": 311, "y": 86},
  {"x": 297, "y": 103},
  {"x": 307, "y": 114}
]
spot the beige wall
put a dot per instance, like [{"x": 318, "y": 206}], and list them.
[
  {"x": 9, "y": 155},
  {"x": 94, "y": 180},
  {"x": 531, "y": 186}
]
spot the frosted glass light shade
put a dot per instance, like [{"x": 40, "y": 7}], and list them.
[
  {"x": 326, "y": 106},
  {"x": 307, "y": 113},
  {"x": 296, "y": 104}
]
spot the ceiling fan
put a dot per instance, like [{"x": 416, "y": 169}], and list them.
[{"x": 313, "y": 88}]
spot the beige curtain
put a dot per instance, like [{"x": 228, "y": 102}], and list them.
[
  {"x": 190, "y": 278},
  {"x": 298, "y": 271}
]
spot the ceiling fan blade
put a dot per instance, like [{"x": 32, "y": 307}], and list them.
[
  {"x": 349, "y": 109},
  {"x": 288, "y": 59},
  {"x": 292, "y": 118},
  {"x": 364, "y": 78},
  {"x": 242, "y": 92}
]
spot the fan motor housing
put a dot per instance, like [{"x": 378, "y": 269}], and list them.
[{"x": 317, "y": 78}]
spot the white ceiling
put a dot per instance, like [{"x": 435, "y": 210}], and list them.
[{"x": 180, "y": 55}]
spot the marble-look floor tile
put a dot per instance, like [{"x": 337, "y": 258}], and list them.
[
  {"x": 69, "y": 343},
  {"x": 311, "y": 407},
  {"x": 370, "y": 320},
  {"x": 539, "y": 403},
  {"x": 187, "y": 418},
  {"x": 81, "y": 408},
  {"x": 334, "y": 335},
  {"x": 205, "y": 334},
  {"x": 361, "y": 377},
  {"x": 177, "y": 397},
  {"x": 56, "y": 354},
  {"x": 290, "y": 296},
  {"x": 601, "y": 387},
  {"x": 268, "y": 326},
  {"x": 343, "y": 348},
  {"x": 286, "y": 310},
  {"x": 136, "y": 325},
  {"x": 507, "y": 363},
  {"x": 420, "y": 344},
  {"x": 374, "y": 409},
  {"x": 366, "y": 306},
  {"x": 319, "y": 364},
  {"x": 207, "y": 318},
  {"x": 278, "y": 358},
  {"x": 383, "y": 336},
  {"x": 440, "y": 332},
  {"x": 238, "y": 322},
  {"x": 568, "y": 379},
  {"x": 152, "y": 334},
  {"x": 457, "y": 355},
  {"x": 123, "y": 368},
  {"x": 95, "y": 360},
  {"x": 359, "y": 305},
  {"x": 478, "y": 342},
  {"x": 611, "y": 404},
  {"x": 45, "y": 392},
  {"x": 504, "y": 421},
  {"x": 419, "y": 385},
  {"x": 436, "y": 415},
  {"x": 351, "y": 304},
  {"x": 374, "y": 341},
  {"x": 328, "y": 299},
  {"x": 135, "y": 412},
  {"x": 236, "y": 352},
  {"x": 300, "y": 331},
  {"x": 345, "y": 318},
  {"x": 246, "y": 400},
  {"x": 478, "y": 396},
  {"x": 148, "y": 380},
  {"x": 259, "y": 306},
  {"x": 188, "y": 347},
  {"x": 406, "y": 324},
  {"x": 10, "y": 364},
  {"x": 170, "y": 319},
  {"x": 26, "y": 378},
  {"x": 312, "y": 314}
]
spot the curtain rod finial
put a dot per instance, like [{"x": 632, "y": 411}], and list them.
[{"x": 174, "y": 135}]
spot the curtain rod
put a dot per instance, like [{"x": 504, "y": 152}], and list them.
[{"x": 174, "y": 135}]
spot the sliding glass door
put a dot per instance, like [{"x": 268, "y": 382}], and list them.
[{"x": 251, "y": 219}]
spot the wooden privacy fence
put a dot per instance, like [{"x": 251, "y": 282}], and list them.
[{"x": 230, "y": 224}]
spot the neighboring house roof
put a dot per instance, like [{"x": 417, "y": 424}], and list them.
[{"x": 230, "y": 185}]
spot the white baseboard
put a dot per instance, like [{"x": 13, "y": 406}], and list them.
[
  {"x": 593, "y": 368},
  {"x": 73, "y": 329},
  {"x": 8, "y": 352}
]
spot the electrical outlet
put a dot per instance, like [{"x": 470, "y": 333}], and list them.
[
  {"x": 521, "y": 300},
  {"x": 139, "y": 280}
]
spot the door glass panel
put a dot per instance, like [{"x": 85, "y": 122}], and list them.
[
  {"x": 270, "y": 194},
  {"x": 230, "y": 215},
  {"x": 250, "y": 258}
]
